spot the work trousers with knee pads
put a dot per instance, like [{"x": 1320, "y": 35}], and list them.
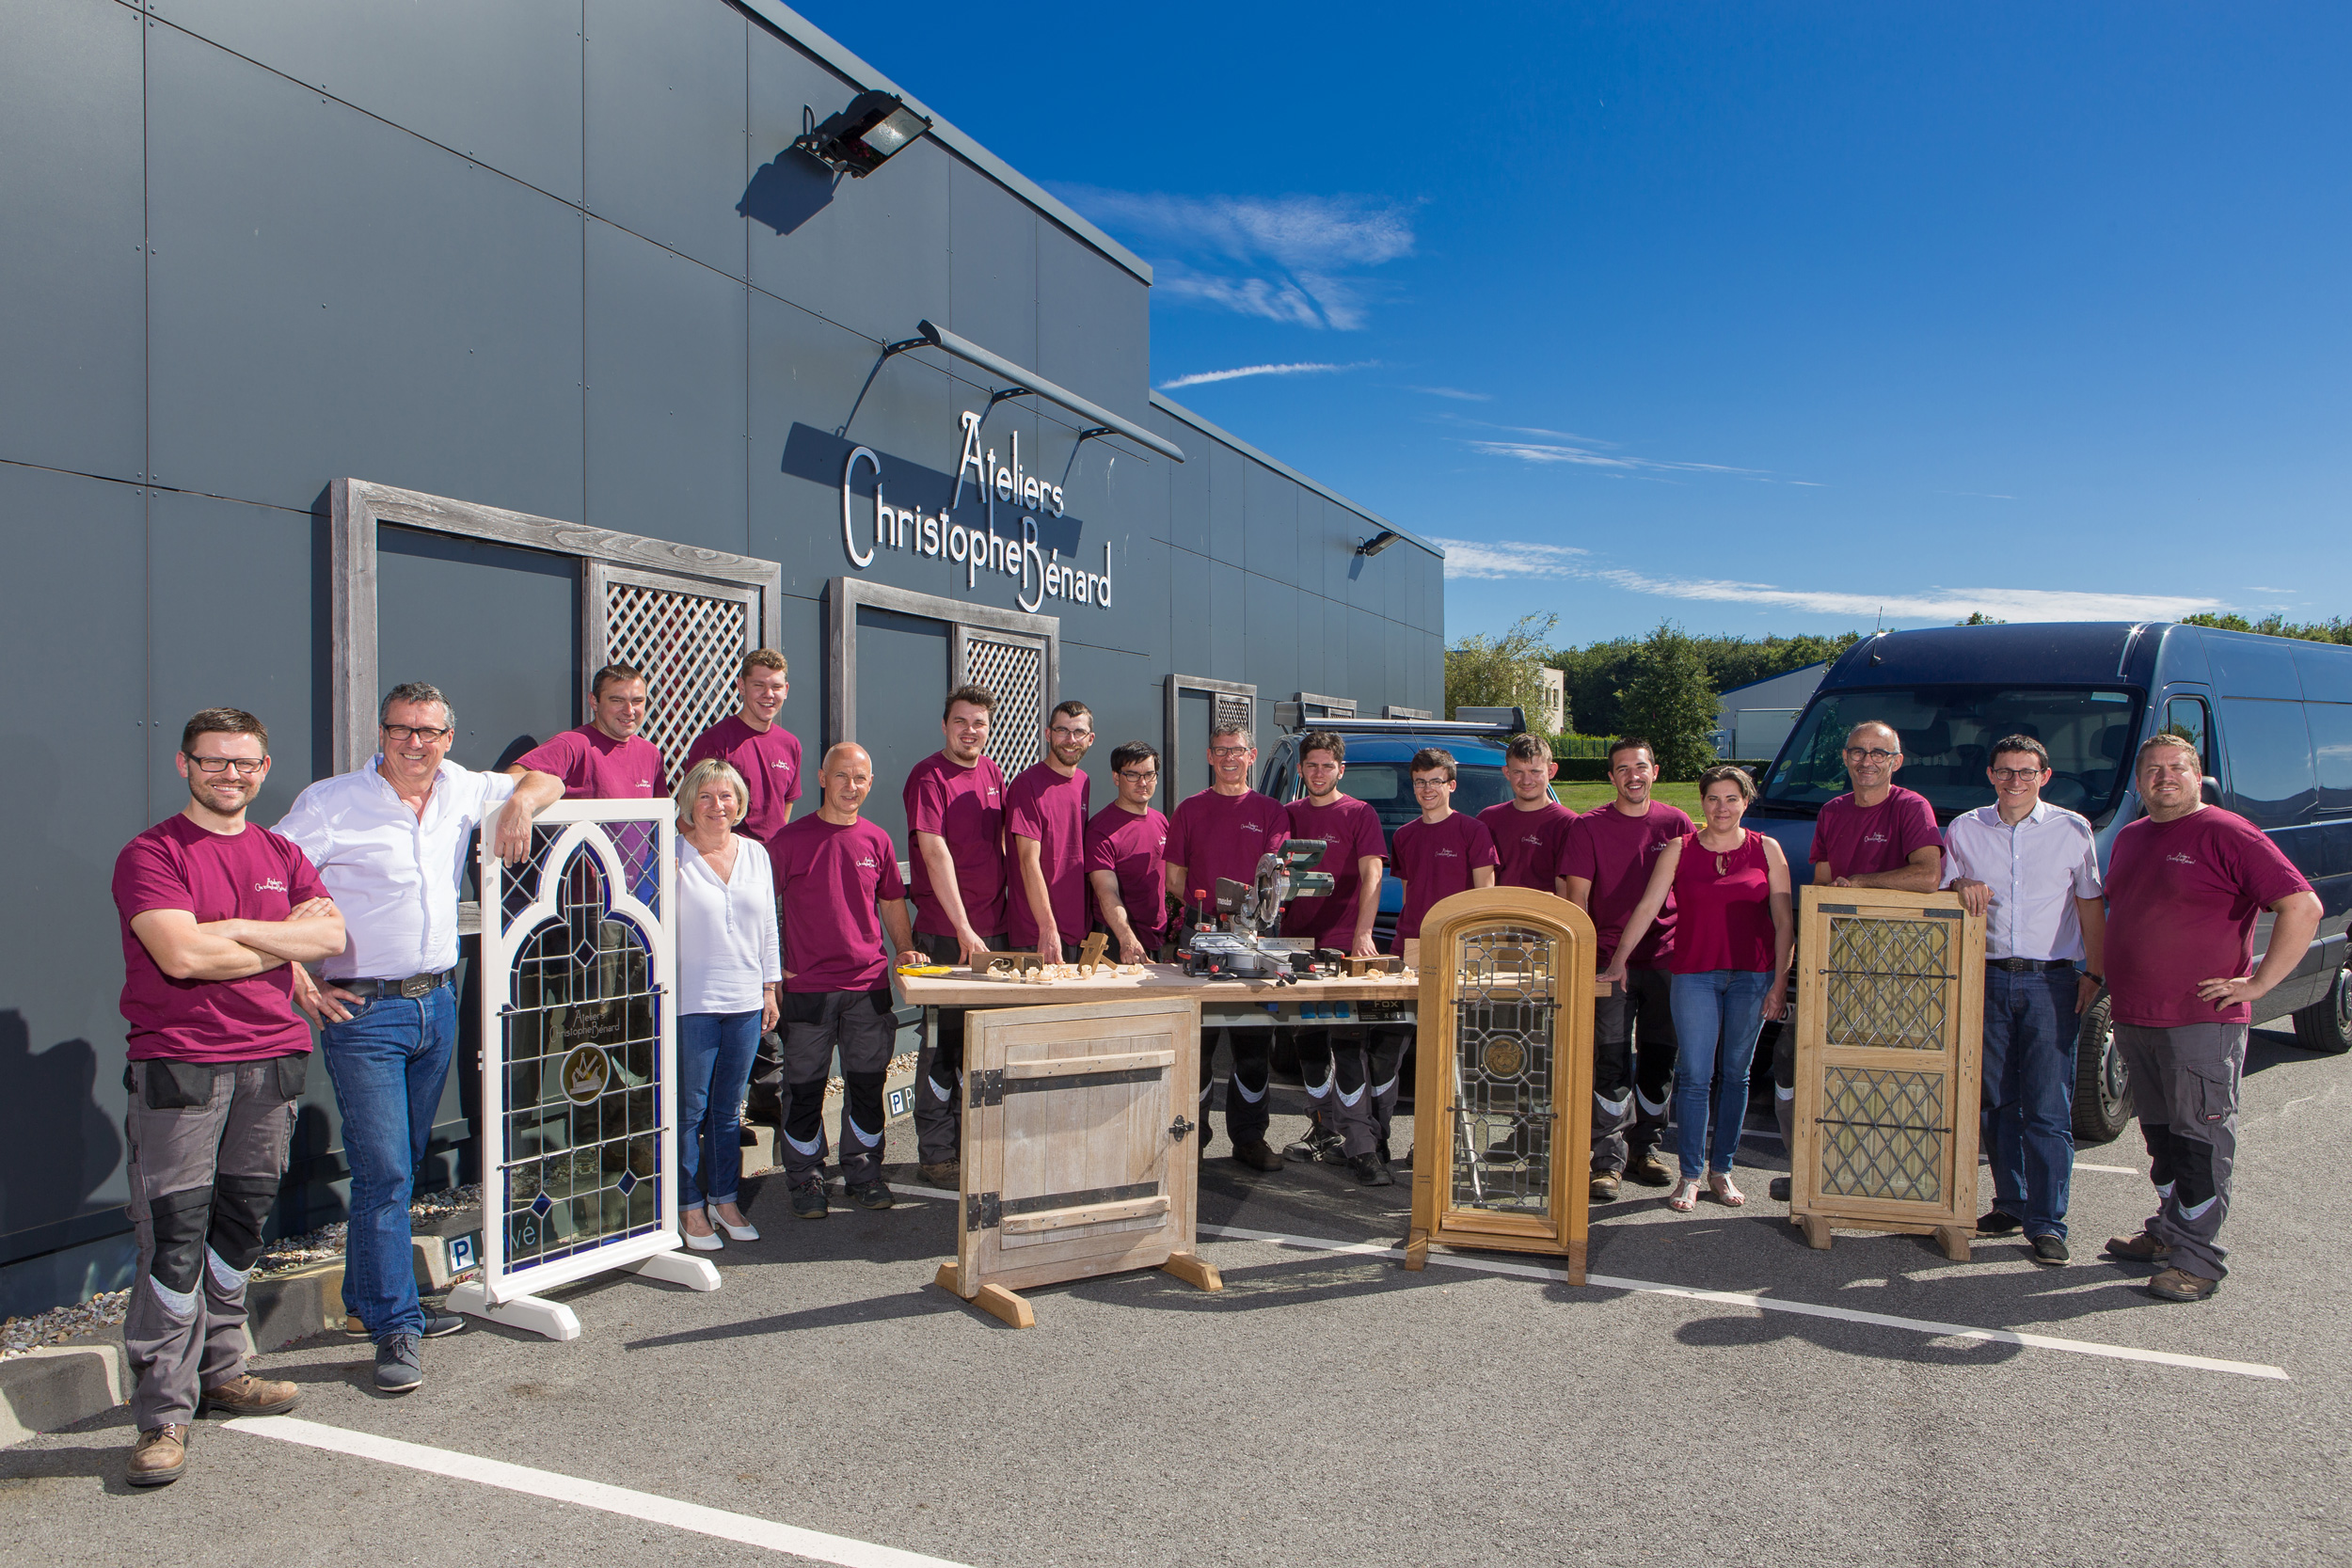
[
  {"x": 862, "y": 1026},
  {"x": 1247, "y": 1114},
  {"x": 938, "y": 1063},
  {"x": 2183, "y": 1089},
  {"x": 208, "y": 1147},
  {"x": 1633, "y": 1069}
]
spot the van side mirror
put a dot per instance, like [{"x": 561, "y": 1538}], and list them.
[{"x": 2210, "y": 791}]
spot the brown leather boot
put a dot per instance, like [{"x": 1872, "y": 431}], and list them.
[
  {"x": 1258, "y": 1155},
  {"x": 2140, "y": 1248},
  {"x": 158, "y": 1457},
  {"x": 942, "y": 1173},
  {"x": 247, "y": 1395}
]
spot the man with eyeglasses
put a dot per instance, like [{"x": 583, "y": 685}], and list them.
[
  {"x": 1221, "y": 833},
  {"x": 391, "y": 841},
  {"x": 2031, "y": 871},
  {"x": 1877, "y": 835},
  {"x": 216, "y": 916},
  {"x": 1045, "y": 829},
  {"x": 955, "y": 809},
  {"x": 1336, "y": 1065},
  {"x": 2186, "y": 884},
  {"x": 1127, "y": 857}
]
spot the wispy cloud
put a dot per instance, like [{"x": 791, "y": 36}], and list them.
[
  {"x": 1454, "y": 392},
  {"x": 1201, "y": 378},
  {"x": 1292, "y": 259},
  {"x": 1518, "y": 558},
  {"x": 1585, "y": 455}
]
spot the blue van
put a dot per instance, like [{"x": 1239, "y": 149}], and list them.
[{"x": 2272, "y": 715}]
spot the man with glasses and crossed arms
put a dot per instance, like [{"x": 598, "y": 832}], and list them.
[{"x": 391, "y": 841}]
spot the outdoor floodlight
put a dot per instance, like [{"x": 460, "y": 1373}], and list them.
[
  {"x": 1378, "y": 542},
  {"x": 862, "y": 137}
]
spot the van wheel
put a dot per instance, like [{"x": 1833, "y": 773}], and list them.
[
  {"x": 2325, "y": 1025},
  {"x": 2102, "y": 1104}
]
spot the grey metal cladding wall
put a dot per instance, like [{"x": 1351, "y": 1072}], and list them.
[
  {"x": 667, "y": 84},
  {"x": 332, "y": 294}
]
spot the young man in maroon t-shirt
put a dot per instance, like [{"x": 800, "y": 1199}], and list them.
[
  {"x": 839, "y": 874},
  {"x": 1605, "y": 867},
  {"x": 1439, "y": 854},
  {"x": 1221, "y": 833},
  {"x": 1341, "y": 1060},
  {"x": 214, "y": 911},
  {"x": 2186, "y": 884},
  {"x": 605, "y": 759},
  {"x": 1046, "y": 839},
  {"x": 1532, "y": 827},
  {"x": 955, "y": 806},
  {"x": 1127, "y": 857}
]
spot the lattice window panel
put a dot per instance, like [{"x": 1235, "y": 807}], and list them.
[
  {"x": 1232, "y": 707},
  {"x": 1014, "y": 673},
  {"x": 690, "y": 646},
  {"x": 1889, "y": 983},
  {"x": 1883, "y": 1134},
  {"x": 1505, "y": 1009}
]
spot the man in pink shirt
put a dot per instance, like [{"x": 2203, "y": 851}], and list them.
[
  {"x": 955, "y": 806},
  {"x": 841, "y": 891},
  {"x": 1045, "y": 830},
  {"x": 1605, "y": 867},
  {"x": 605, "y": 759},
  {"x": 1442, "y": 851},
  {"x": 1127, "y": 857},
  {"x": 215, "y": 914},
  {"x": 1221, "y": 833},
  {"x": 1336, "y": 1065},
  {"x": 2186, "y": 884},
  {"x": 1531, "y": 827}
]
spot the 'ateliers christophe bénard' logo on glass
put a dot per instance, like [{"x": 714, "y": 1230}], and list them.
[{"x": 981, "y": 548}]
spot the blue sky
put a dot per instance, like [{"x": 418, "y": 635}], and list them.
[{"x": 1750, "y": 317}]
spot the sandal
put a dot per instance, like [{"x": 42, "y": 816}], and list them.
[
  {"x": 1719, "y": 1183},
  {"x": 1685, "y": 1197}
]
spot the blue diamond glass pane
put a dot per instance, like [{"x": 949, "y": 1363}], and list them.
[
  {"x": 627, "y": 1180},
  {"x": 541, "y": 1204}
]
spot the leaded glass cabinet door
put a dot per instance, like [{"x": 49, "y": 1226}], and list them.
[
  {"x": 1502, "y": 1106},
  {"x": 1890, "y": 1001}
]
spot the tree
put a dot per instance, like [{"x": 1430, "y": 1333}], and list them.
[
  {"x": 1502, "y": 672},
  {"x": 2335, "y": 630},
  {"x": 1671, "y": 701}
]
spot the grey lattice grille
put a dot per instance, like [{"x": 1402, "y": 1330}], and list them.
[
  {"x": 1232, "y": 707},
  {"x": 1883, "y": 1134},
  {"x": 1014, "y": 673},
  {"x": 1890, "y": 981},
  {"x": 1505, "y": 1009},
  {"x": 689, "y": 645}
]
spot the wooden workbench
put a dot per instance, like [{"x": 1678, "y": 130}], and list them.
[{"x": 1157, "y": 982}]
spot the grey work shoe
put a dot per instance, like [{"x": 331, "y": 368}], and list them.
[
  {"x": 808, "y": 1199},
  {"x": 2181, "y": 1285},
  {"x": 1319, "y": 1147},
  {"x": 247, "y": 1395},
  {"x": 398, "y": 1366},
  {"x": 871, "y": 1195},
  {"x": 158, "y": 1457},
  {"x": 440, "y": 1326},
  {"x": 2050, "y": 1250},
  {"x": 1369, "y": 1172}
]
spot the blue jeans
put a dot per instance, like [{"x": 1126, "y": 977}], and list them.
[
  {"x": 1718, "y": 1013},
  {"x": 2029, "y": 1025},
  {"x": 389, "y": 1062},
  {"x": 714, "y": 1068}
]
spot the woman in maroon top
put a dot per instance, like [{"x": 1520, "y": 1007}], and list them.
[{"x": 1734, "y": 933}]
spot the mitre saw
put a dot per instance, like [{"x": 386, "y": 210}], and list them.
[{"x": 1234, "y": 936}]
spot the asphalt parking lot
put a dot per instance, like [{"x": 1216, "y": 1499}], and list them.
[{"x": 1721, "y": 1394}]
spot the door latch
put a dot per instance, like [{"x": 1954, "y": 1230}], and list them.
[{"x": 1178, "y": 1129}]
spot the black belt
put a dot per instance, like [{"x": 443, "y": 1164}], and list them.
[
  {"x": 412, "y": 988},
  {"x": 2028, "y": 966}
]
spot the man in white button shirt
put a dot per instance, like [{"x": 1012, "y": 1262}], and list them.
[
  {"x": 392, "y": 842},
  {"x": 2032, "y": 870}
]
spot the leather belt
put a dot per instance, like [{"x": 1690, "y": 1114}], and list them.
[
  {"x": 2028, "y": 966},
  {"x": 411, "y": 987}
]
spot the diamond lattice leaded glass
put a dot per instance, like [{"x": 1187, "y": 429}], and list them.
[
  {"x": 1505, "y": 1009},
  {"x": 1883, "y": 1134},
  {"x": 1888, "y": 982}
]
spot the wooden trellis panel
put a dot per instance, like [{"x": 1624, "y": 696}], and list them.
[{"x": 1890, "y": 1020}]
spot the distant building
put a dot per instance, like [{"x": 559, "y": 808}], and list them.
[
  {"x": 1753, "y": 720},
  {"x": 1555, "y": 710}
]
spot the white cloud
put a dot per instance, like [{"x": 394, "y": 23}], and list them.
[
  {"x": 1201, "y": 378},
  {"x": 1509, "y": 557},
  {"x": 1289, "y": 258},
  {"x": 1584, "y": 455},
  {"x": 1454, "y": 392}
]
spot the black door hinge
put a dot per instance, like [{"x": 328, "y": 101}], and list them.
[
  {"x": 988, "y": 1088},
  {"x": 981, "y": 1210}
]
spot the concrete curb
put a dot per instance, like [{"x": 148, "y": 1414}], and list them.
[{"x": 59, "y": 1384}]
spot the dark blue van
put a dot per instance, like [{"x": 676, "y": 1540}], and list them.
[{"x": 2273, "y": 715}]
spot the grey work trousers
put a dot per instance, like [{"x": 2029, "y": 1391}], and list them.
[
  {"x": 1350, "y": 1076},
  {"x": 1633, "y": 1069},
  {"x": 2183, "y": 1087},
  {"x": 938, "y": 1063},
  {"x": 862, "y": 1026},
  {"x": 208, "y": 1149}
]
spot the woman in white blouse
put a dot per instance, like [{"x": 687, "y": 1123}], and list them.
[{"x": 730, "y": 966}]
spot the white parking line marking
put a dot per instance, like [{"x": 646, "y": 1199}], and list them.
[
  {"x": 1770, "y": 1303},
  {"x": 2112, "y": 1170},
  {"x": 715, "y": 1522}
]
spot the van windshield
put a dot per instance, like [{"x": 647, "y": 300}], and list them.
[
  {"x": 1949, "y": 732},
  {"x": 1388, "y": 788}
]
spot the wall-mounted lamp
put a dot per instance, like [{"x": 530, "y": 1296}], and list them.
[
  {"x": 1378, "y": 542},
  {"x": 862, "y": 137}
]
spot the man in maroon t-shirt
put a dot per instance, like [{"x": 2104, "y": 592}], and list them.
[
  {"x": 1220, "y": 833},
  {"x": 759, "y": 747},
  {"x": 955, "y": 806},
  {"x": 1440, "y": 852},
  {"x": 1045, "y": 830},
  {"x": 1344, "y": 1059},
  {"x": 1127, "y": 857},
  {"x": 1605, "y": 867},
  {"x": 214, "y": 911},
  {"x": 841, "y": 891},
  {"x": 1531, "y": 828},
  {"x": 2186, "y": 884},
  {"x": 605, "y": 759}
]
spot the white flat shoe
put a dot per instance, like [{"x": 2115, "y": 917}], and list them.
[
  {"x": 705, "y": 1243},
  {"x": 735, "y": 1233}
]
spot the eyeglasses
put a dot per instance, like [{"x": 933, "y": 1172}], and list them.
[
  {"x": 420, "y": 731},
  {"x": 2014, "y": 775},
  {"x": 1062, "y": 732},
  {"x": 1223, "y": 753},
  {"x": 248, "y": 767},
  {"x": 1135, "y": 775},
  {"x": 1876, "y": 754},
  {"x": 1431, "y": 784}
]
